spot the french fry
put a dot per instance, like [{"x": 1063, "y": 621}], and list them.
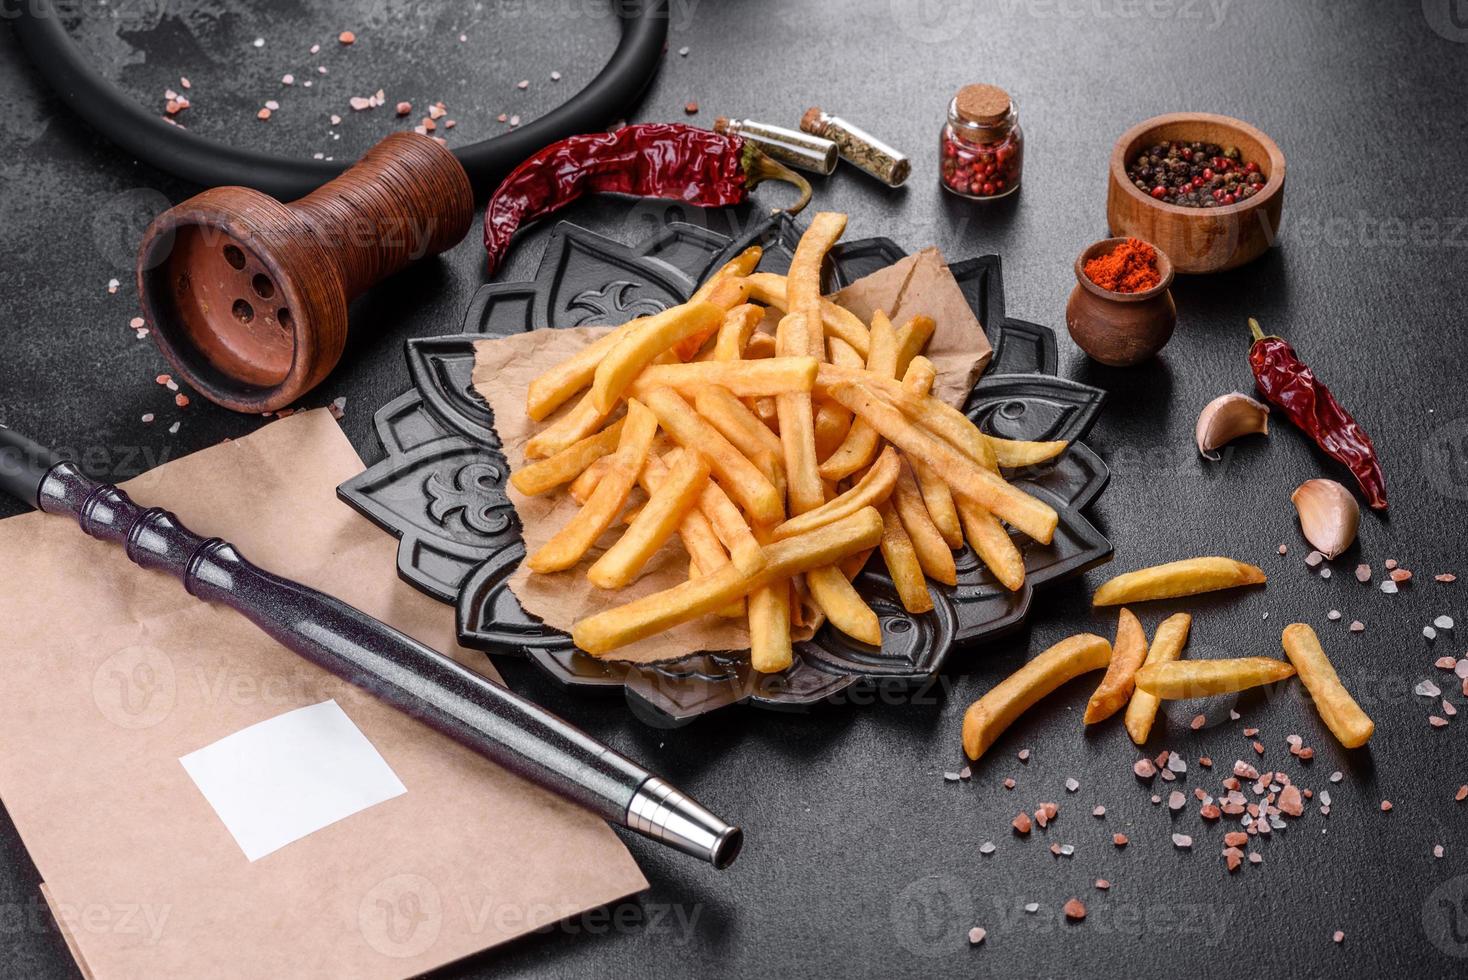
[
  {"x": 836, "y": 321},
  {"x": 950, "y": 425},
  {"x": 747, "y": 379},
  {"x": 740, "y": 478},
  {"x": 912, "y": 337},
  {"x": 653, "y": 336},
  {"x": 608, "y": 630},
  {"x": 843, "y": 605},
  {"x": 581, "y": 531},
  {"x": 581, "y": 487},
  {"x": 551, "y": 389},
  {"x": 861, "y": 442},
  {"x": 1178, "y": 578},
  {"x": 832, "y": 423},
  {"x": 803, "y": 281},
  {"x": 1183, "y": 679},
  {"x": 797, "y": 428},
  {"x": 770, "y": 649},
  {"x": 728, "y": 524},
  {"x": 872, "y": 489},
  {"x": 736, "y": 330},
  {"x": 992, "y": 543},
  {"x": 1167, "y": 646},
  {"x": 1013, "y": 454},
  {"x": 578, "y": 422},
  {"x": 1342, "y": 715},
  {"x": 852, "y": 565},
  {"x": 761, "y": 345},
  {"x": 725, "y": 288},
  {"x": 964, "y": 477},
  {"x": 736, "y": 421},
  {"x": 938, "y": 500},
  {"x": 655, "y": 523},
  {"x": 902, "y": 563},
  {"x": 988, "y": 717},
  {"x": 1128, "y": 651},
  {"x": 932, "y": 551},
  {"x": 567, "y": 464}
]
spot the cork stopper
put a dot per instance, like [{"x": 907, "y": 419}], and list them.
[
  {"x": 811, "y": 121},
  {"x": 982, "y": 105},
  {"x": 721, "y": 124}
]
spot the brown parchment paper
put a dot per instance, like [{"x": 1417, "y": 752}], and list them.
[
  {"x": 504, "y": 368},
  {"x": 112, "y": 673}
]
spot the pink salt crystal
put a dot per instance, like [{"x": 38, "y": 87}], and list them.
[
  {"x": 1182, "y": 841},
  {"x": 1446, "y": 663},
  {"x": 404, "y": 108},
  {"x": 1198, "y": 722},
  {"x": 1436, "y": 722},
  {"x": 1437, "y": 850},
  {"x": 1284, "y": 549},
  {"x": 1099, "y": 811},
  {"x": 1390, "y": 563},
  {"x": 1386, "y": 806},
  {"x": 1244, "y": 770},
  {"x": 1144, "y": 769},
  {"x": 1256, "y": 858},
  {"x": 1290, "y": 802},
  {"x": 1357, "y": 626},
  {"x": 1363, "y": 573},
  {"x": 1446, "y": 578},
  {"x": 976, "y": 935},
  {"x": 1009, "y": 783},
  {"x": 1339, "y": 936},
  {"x": 1024, "y": 755},
  {"x": 1102, "y": 884},
  {"x": 1175, "y": 800}
]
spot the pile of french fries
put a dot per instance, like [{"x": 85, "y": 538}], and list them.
[
  {"x": 781, "y": 463},
  {"x": 1139, "y": 677}
]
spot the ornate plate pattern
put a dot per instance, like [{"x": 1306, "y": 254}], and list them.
[{"x": 440, "y": 489}]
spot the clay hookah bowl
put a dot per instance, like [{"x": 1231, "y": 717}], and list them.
[{"x": 247, "y": 297}]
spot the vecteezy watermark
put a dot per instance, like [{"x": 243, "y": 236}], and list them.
[
  {"x": 1445, "y": 459},
  {"x": 94, "y": 918},
  {"x": 1447, "y": 18},
  {"x": 1445, "y": 917},
  {"x": 136, "y": 687},
  {"x": 1364, "y": 230},
  {"x": 935, "y": 21},
  {"x": 1205, "y": 922},
  {"x": 118, "y": 225},
  {"x": 931, "y": 915},
  {"x": 401, "y": 916}
]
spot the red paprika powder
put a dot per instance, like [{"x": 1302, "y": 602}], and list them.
[{"x": 1131, "y": 267}]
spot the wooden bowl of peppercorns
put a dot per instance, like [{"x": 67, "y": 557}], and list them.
[{"x": 1205, "y": 189}]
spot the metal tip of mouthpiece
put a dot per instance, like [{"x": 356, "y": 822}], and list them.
[{"x": 661, "y": 812}]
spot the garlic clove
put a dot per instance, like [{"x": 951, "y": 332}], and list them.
[
  {"x": 1226, "y": 418},
  {"x": 1329, "y": 515}
]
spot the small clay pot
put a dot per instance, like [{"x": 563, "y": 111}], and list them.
[{"x": 1120, "y": 329}]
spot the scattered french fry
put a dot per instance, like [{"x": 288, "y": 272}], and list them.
[
  {"x": 770, "y": 649},
  {"x": 836, "y": 321},
  {"x": 654, "y": 613},
  {"x": 1183, "y": 679},
  {"x": 1128, "y": 651},
  {"x": 655, "y": 523},
  {"x": 987, "y": 718},
  {"x": 551, "y": 389},
  {"x": 1167, "y": 646},
  {"x": 964, "y": 477},
  {"x": 932, "y": 551},
  {"x": 1013, "y": 454},
  {"x": 744, "y": 549},
  {"x": 872, "y": 489},
  {"x": 860, "y": 445},
  {"x": 736, "y": 330},
  {"x": 653, "y": 336},
  {"x": 740, "y": 478},
  {"x": 1342, "y": 715},
  {"x": 1190, "y": 576},
  {"x": 846, "y": 610},
  {"x": 912, "y": 337},
  {"x": 758, "y": 379},
  {"x": 575, "y": 424},
  {"x": 580, "y": 533},
  {"x": 568, "y": 464},
  {"x": 903, "y": 566},
  {"x": 797, "y": 428},
  {"x": 992, "y": 543}
]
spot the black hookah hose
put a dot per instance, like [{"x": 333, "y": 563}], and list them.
[{"x": 175, "y": 150}]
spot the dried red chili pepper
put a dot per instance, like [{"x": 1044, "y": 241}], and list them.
[
  {"x": 1285, "y": 380},
  {"x": 667, "y": 160}
]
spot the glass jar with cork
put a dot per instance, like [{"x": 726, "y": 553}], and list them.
[{"x": 981, "y": 149}]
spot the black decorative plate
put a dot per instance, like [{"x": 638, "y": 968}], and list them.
[{"x": 441, "y": 487}]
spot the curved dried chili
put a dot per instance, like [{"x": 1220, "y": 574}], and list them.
[
  {"x": 668, "y": 160},
  {"x": 1287, "y": 382}
]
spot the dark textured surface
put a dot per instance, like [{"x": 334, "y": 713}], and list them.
[{"x": 861, "y": 860}]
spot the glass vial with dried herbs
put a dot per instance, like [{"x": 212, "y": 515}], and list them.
[
  {"x": 981, "y": 149},
  {"x": 859, "y": 147},
  {"x": 791, "y": 147}
]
